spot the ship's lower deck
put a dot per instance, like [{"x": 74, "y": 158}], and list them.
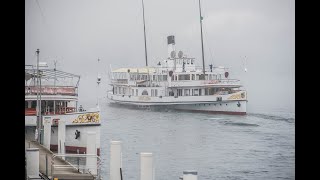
[
  {"x": 72, "y": 145},
  {"x": 221, "y": 107},
  {"x": 77, "y": 127}
]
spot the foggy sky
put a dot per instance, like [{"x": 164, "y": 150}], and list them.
[{"x": 77, "y": 33}]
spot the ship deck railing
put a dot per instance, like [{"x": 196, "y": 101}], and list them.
[
  {"x": 52, "y": 90},
  {"x": 33, "y": 111}
]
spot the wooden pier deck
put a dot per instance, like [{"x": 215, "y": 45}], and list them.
[{"x": 61, "y": 173}]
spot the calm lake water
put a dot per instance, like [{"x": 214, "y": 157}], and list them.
[{"x": 255, "y": 146}]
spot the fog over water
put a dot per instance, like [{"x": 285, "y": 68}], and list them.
[{"x": 78, "y": 32}]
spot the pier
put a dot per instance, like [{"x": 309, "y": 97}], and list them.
[{"x": 53, "y": 166}]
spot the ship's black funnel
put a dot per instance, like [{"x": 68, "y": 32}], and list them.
[{"x": 171, "y": 40}]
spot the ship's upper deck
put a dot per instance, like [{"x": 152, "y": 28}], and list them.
[{"x": 51, "y": 82}]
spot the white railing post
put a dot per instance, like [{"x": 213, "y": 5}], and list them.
[
  {"x": 190, "y": 175},
  {"x": 32, "y": 156},
  {"x": 91, "y": 162},
  {"x": 115, "y": 160},
  {"x": 61, "y": 137},
  {"x": 47, "y": 132},
  {"x": 146, "y": 166}
]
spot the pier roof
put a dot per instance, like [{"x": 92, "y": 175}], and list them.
[{"x": 49, "y": 74}]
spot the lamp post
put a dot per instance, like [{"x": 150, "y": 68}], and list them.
[{"x": 38, "y": 102}]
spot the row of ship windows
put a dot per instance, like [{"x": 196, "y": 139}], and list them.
[
  {"x": 238, "y": 104},
  {"x": 208, "y": 104},
  {"x": 154, "y": 92},
  {"x": 174, "y": 77},
  {"x": 179, "y": 92}
]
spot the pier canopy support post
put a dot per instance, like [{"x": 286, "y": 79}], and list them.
[
  {"x": 190, "y": 175},
  {"x": 61, "y": 137},
  {"x": 47, "y": 132},
  {"x": 146, "y": 166},
  {"x": 32, "y": 156},
  {"x": 91, "y": 162},
  {"x": 115, "y": 160}
]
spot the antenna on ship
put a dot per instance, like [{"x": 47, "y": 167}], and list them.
[
  {"x": 98, "y": 82},
  {"x": 55, "y": 75},
  {"x": 203, "y": 66}
]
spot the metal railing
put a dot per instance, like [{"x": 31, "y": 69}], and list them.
[
  {"x": 77, "y": 164},
  {"x": 51, "y": 90}
]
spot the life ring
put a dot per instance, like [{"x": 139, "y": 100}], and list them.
[
  {"x": 226, "y": 74},
  {"x": 170, "y": 73}
]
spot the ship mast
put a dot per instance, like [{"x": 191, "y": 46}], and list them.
[
  {"x": 144, "y": 30},
  {"x": 203, "y": 69}
]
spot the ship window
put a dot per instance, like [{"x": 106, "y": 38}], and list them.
[
  {"x": 196, "y": 93},
  {"x": 164, "y": 77},
  {"x": 184, "y": 77},
  {"x": 144, "y": 92},
  {"x": 193, "y": 77},
  {"x": 179, "y": 92},
  {"x": 33, "y": 104},
  {"x": 187, "y": 92}
]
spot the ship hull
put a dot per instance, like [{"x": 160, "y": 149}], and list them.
[
  {"x": 72, "y": 145},
  {"x": 235, "y": 104},
  {"x": 226, "y": 107}
]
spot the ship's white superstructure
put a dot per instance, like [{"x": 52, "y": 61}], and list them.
[{"x": 177, "y": 83}]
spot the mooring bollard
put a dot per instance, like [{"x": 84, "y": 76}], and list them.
[
  {"x": 190, "y": 175},
  {"x": 32, "y": 156},
  {"x": 91, "y": 162},
  {"x": 146, "y": 166},
  {"x": 115, "y": 160}
]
